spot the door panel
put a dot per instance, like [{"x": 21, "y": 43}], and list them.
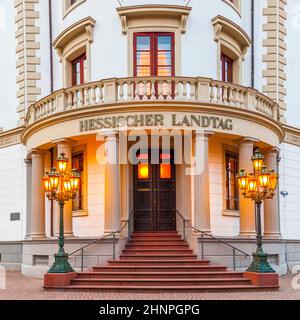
[{"x": 155, "y": 199}]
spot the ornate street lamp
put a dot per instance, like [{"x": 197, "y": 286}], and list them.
[
  {"x": 61, "y": 187},
  {"x": 258, "y": 186}
]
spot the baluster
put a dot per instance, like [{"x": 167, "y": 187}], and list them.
[
  {"x": 212, "y": 93},
  {"x": 160, "y": 91},
  {"x": 176, "y": 91},
  {"x": 242, "y": 99},
  {"x": 231, "y": 97},
  {"x": 86, "y": 97},
  {"x": 153, "y": 92},
  {"x": 70, "y": 100},
  {"x": 137, "y": 95},
  {"x": 129, "y": 91},
  {"x": 225, "y": 95},
  {"x": 169, "y": 90},
  {"x": 192, "y": 91},
  {"x": 93, "y": 95},
  {"x": 218, "y": 93},
  {"x": 145, "y": 85},
  {"x": 75, "y": 99},
  {"x": 184, "y": 91},
  {"x": 121, "y": 93},
  {"x": 81, "y": 98},
  {"x": 101, "y": 94}
]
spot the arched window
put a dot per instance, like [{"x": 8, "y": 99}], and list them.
[
  {"x": 233, "y": 44},
  {"x": 235, "y": 4},
  {"x": 73, "y": 48},
  {"x": 69, "y": 5}
]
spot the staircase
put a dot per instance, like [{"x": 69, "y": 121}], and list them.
[{"x": 159, "y": 261}]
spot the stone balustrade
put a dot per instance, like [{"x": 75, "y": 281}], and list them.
[{"x": 164, "y": 89}]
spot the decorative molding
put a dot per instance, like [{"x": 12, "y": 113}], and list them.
[
  {"x": 84, "y": 26},
  {"x": 68, "y": 7},
  {"x": 236, "y": 5},
  {"x": 27, "y": 49},
  {"x": 224, "y": 25},
  {"x": 275, "y": 47},
  {"x": 292, "y": 135},
  {"x": 128, "y": 13},
  {"x": 11, "y": 137}
]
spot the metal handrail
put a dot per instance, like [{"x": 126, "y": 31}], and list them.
[
  {"x": 187, "y": 221},
  {"x": 112, "y": 234}
]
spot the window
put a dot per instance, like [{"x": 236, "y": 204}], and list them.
[
  {"x": 233, "y": 44},
  {"x": 165, "y": 166},
  {"x": 69, "y": 5},
  {"x": 73, "y": 46},
  {"x": 143, "y": 166},
  {"x": 232, "y": 169},
  {"x": 78, "y": 163},
  {"x": 154, "y": 54},
  {"x": 226, "y": 68},
  {"x": 79, "y": 70}
]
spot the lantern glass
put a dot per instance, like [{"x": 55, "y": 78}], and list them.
[
  {"x": 264, "y": 178},
  {"x": 62, "y": 163},
  {"x": 75, "y": 180},
  {"x": 242, "y": 180},
  {"x": 54, "y": 179},
  {"x": 46, "y": 183},
  {"x": 67, "y": 186},
  {"x": 252, "y": 184},
  {"x": 258, "y": 161},
  {"x": 273, "y": 180}
]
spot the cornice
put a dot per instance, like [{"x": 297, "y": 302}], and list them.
[
  {"x": 154, "y": 11},
  {"x": 11, "y": 137}
]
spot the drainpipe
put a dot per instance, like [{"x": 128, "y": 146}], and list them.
[
  {"x": 51, "y": 46},
  {"x": 252, "y": 46},
  {"x": 51, "y": 91}
]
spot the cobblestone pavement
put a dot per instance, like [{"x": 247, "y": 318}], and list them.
[{"x": 22, "y": 288}]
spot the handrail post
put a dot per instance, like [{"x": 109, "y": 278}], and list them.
[
  {"x": 82, "y": 259},
  {"x": 234, "y": 263},
  {"x": 114, "y": 246},
  {"x": 202, "y": 246}
]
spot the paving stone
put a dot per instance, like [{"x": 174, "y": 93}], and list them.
[{"x": 22, "y": 288}]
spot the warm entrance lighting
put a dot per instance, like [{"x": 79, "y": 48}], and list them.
[
  {"x": 165, "y": 171},
  {"x": 61, "y": 187},
  {"x": 258, "y": 186},
  {"x": 143, "y": 171}
]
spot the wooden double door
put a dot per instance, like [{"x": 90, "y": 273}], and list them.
[{"x": 155, "y": 194}]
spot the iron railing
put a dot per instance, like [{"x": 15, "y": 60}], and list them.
[
  {"x": 186, "y": 222},
  {"x": 112, "y": 235}
]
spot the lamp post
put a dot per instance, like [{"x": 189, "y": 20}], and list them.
[
  {"x": 258, "y": 186},
  {"x": 61, "y": 186}
]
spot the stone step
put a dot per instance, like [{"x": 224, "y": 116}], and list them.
[
  {"x": 160, "y": 282},
  {"x": 182, "y": 288},
  {"x": 159, "y": 257},
  {"x": 150, "y": 246},
  {"x": 148, "y": 262},
  {"x": 161, "y": 268},
  {"x": 159, "y": 275},
  {"x": 157, "y": 242},
  {"x": 156, "y": 251}
]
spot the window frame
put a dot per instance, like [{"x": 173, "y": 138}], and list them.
[
  {"x": 229, "y": 154},
  {"x": 84, "y": 211},
  {"x": 225, "y": 59},
  {"x": 153, "y": 51},
  {"x": 81, "y": 58},
  {"x": 228, "y": 148}
]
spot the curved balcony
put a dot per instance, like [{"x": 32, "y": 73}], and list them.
[{"x": 203, "y": 91}]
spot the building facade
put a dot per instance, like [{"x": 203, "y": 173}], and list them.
[{"x": 94, "y": 79}]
